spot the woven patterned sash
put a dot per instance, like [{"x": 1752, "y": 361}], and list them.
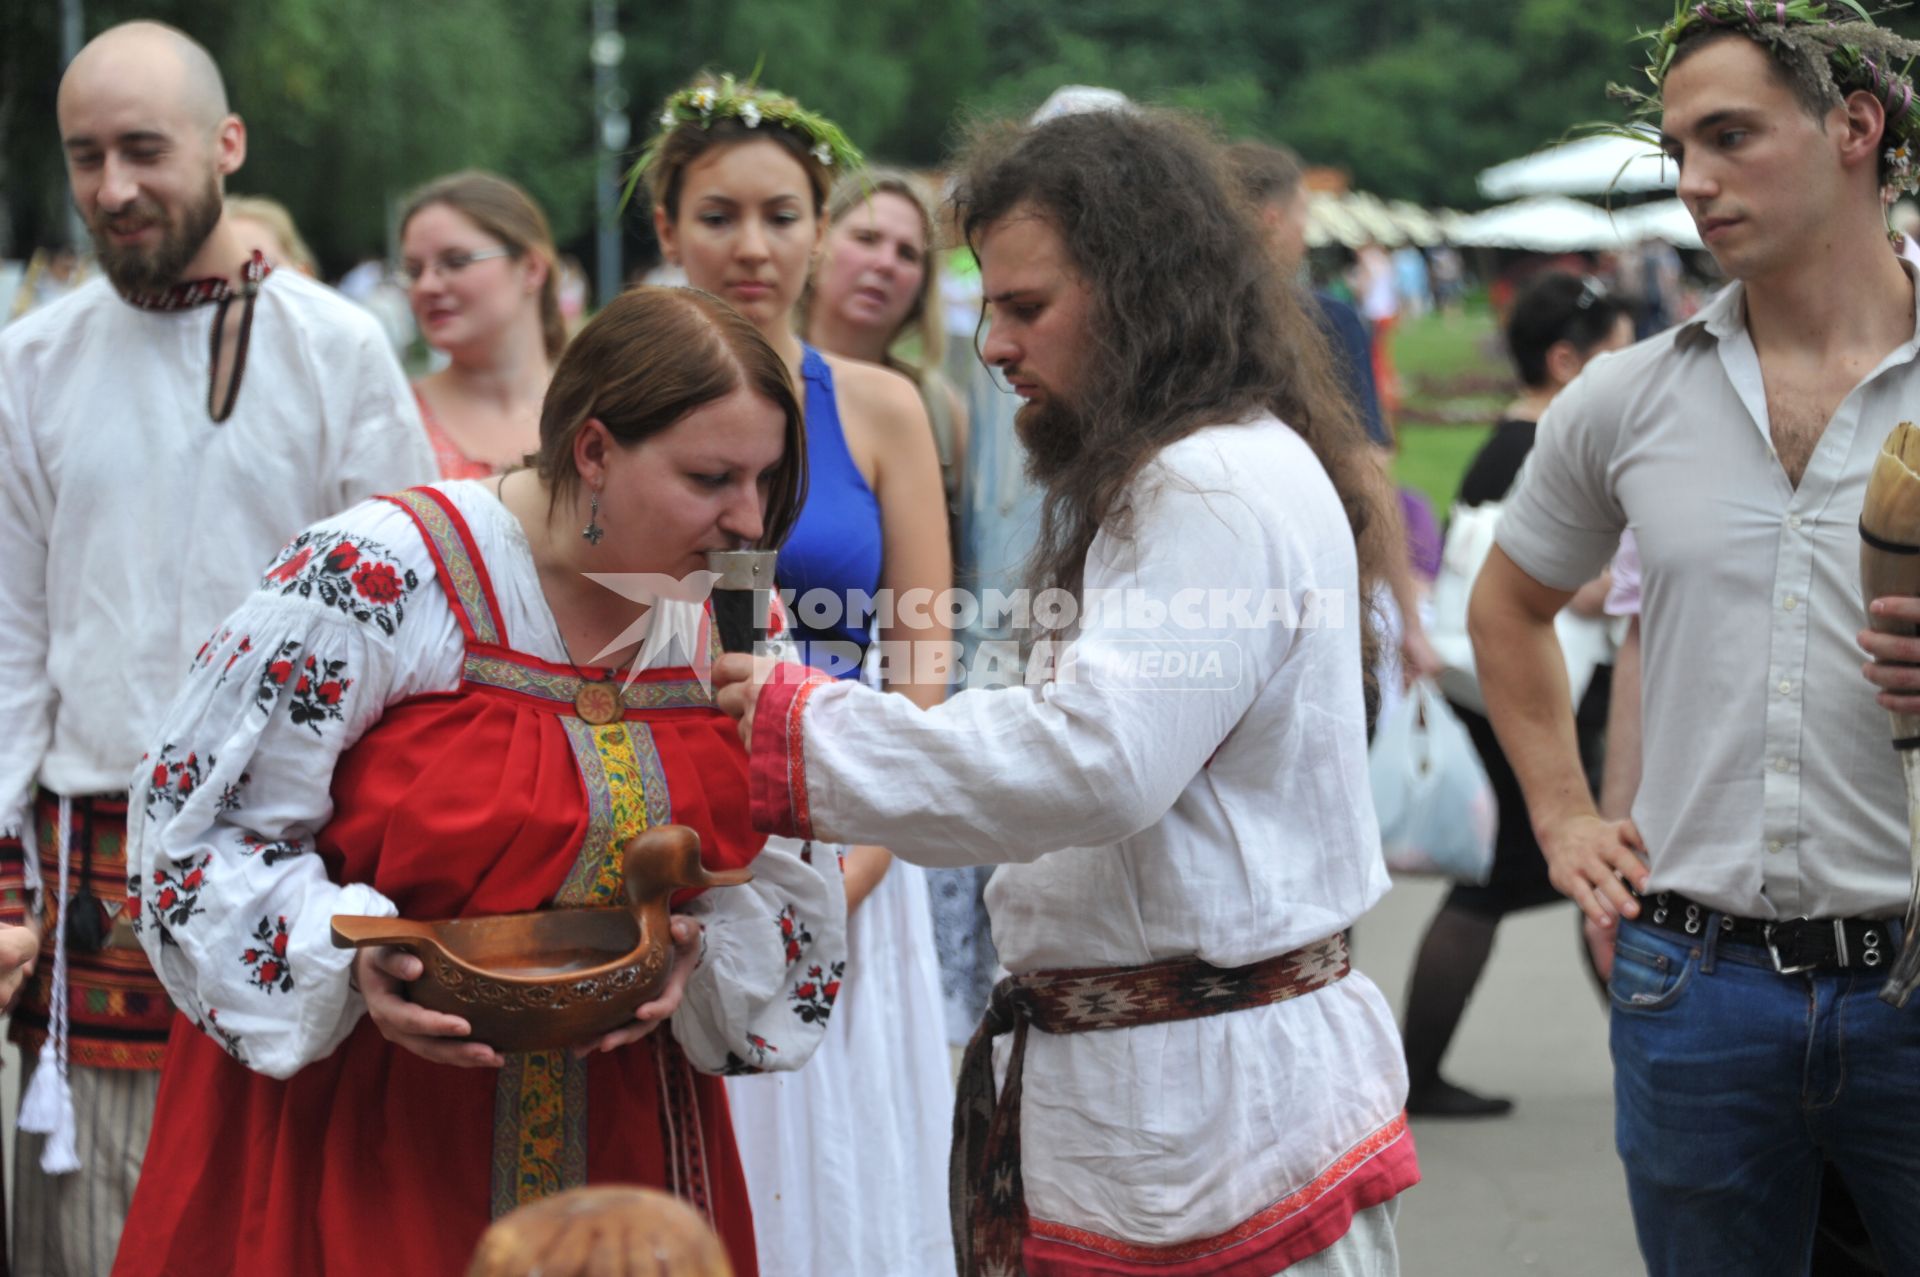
[{"x": 989, "y": 1202}]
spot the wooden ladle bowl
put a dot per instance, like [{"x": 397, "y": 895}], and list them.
[{"x": 556, "y": 978}]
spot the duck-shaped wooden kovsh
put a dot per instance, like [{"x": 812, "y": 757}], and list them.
[
  {"x": 559, "y": 977},
  {"x": 1890, "y": 565}
]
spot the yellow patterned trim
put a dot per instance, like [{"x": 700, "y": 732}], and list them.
[
  {"x": 540, "y": 1100},
  {"x": 642, "y": 694},
  {"x": 452, "y": 556},
  {"x": 626, "y": 793}
]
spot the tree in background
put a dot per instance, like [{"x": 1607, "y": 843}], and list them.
[
  {"x": 348, "y": 103},
  {"x": 351, "y": 103}
]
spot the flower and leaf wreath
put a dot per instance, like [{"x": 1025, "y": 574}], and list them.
[
  {"x": 726, "y": 98},
  {"x": 1826, "y": 51}
]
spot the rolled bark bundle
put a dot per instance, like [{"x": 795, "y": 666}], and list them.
[
  {"x": 588, "y": 1231},
  {"x": 1890, "y": 565}
]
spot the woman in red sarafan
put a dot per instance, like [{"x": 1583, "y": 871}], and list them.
[{"x": 393, "y": 724}]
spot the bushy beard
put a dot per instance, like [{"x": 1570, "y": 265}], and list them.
[
  {"x": 132, "y": 269},
  {"x": 1054, "y": 434}
]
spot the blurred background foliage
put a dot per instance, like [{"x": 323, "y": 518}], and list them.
[{"x": 350, "y": 103}]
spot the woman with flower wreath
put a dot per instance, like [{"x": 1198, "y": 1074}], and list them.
[
  {"x": 846, "y": 1160},
  {"x": 429, "y": 708}
]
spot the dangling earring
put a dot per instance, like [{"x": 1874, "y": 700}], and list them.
[{"x": 593, "y": 531}]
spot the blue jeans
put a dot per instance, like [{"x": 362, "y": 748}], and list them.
[{"x": 1732, "y": 1082}]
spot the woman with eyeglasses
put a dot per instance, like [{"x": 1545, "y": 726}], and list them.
[
  {"x": 480, "y": 268},
  {"x": 1558, "y": 323}
]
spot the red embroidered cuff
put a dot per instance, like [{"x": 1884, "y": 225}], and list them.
[{"x": 777, "y": 773}]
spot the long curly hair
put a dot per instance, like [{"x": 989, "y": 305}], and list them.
[{"x": 1193, "y": 324}]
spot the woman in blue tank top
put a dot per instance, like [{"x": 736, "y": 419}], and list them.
[
  {"x": 832, "y": 560},
  {"x": 845, "y": 1179}
]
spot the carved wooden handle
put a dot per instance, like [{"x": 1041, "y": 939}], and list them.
[
  {"x": 357, "y": 931},
  {"x": 667, "y": 857}
]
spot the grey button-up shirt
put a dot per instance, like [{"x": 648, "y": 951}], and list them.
[{"x": 1770, "y": 788}]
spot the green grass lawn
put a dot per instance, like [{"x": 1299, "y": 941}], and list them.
[
  {"x": 1432, "y": 459},
  {"x": 1441, "y": 346},
  {"x": 1454, "y": 382}
]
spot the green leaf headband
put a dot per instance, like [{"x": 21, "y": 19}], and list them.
[
  {"x": 753, "y": 106},
  {"x": 1848, "y": 53}
]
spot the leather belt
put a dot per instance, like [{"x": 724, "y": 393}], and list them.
[{"x": 1795, "y": 944}]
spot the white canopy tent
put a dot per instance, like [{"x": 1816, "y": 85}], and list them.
[
  {"x": 1589, "y": 166},
  {"x": 1666, "y": 220},
  {"x": 1354, "y": 218},
  {"x": 1421, "y": 227},
  {"x": 1329, "y": 222},
  {"x": 1556, "y": 224}
]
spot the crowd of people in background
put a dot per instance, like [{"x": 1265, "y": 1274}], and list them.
[{"x": 374, "y": 669}]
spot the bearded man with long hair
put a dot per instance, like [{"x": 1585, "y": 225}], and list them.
[{"x": 1181, "y": 810}]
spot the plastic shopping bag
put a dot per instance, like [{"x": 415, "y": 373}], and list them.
[
  {"x": 1435, "y": 804},
  {"x": 1585, "y": 643}
]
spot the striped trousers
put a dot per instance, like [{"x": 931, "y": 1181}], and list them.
[{"x": 69, "y": 1225}]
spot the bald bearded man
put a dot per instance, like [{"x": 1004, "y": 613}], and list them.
[{"x": 163, "y": 431}]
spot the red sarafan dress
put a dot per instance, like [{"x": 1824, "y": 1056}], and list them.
[{"x": 458, "y": 788}]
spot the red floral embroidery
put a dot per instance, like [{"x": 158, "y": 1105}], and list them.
[
  {"x": 377, "y": 583},
  {"x": 231, "y": 1041},
  {"x": 267, "y": 958},
  {"x": 175, "y": 896},
  {"x": 793, "y": 933},
  {"x": 290, "y": 567},
  {"x": 270, "y": 852},
  {"x": 754, "y": 1061},
  {"x": 317, "y": 694},
  {"x": 245, "y": 646},
  {"x": 274, "y": 677},
  {"x": 204, "y": 656},
  {"x": 813, "y": 998},
  {"x": 357, "y": 577},
  {"x": 174, "y": 780}
]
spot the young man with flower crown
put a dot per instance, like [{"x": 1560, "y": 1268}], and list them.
[
  {"x": 163, "y": 430},
  {"x": 1754, "y": 894}
]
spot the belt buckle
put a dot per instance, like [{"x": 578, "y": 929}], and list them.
[{"x": 1773, "y": 950}]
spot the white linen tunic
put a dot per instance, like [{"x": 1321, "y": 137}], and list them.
[
  {"x": 131, "y": 522},
  {"x": 1143, "y": 815}
]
